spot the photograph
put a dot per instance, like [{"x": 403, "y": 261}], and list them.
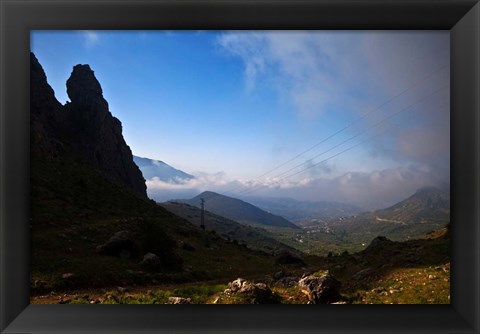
[{"x": 240, "y": 166}]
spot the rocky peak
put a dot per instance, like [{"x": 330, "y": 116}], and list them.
[
  {"x": 45, "y": 111},
  {"x": 84, "y": 126},
  {"x": 42, "y": 96},
  {"x": 84, "y": 90}
]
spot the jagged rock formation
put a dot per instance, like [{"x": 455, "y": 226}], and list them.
[
  {"x": 45, "y": 113},
  {"x": 84, "y": 127}
]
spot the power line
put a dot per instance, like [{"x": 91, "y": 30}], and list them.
[
  {"x": 350, "y": 124},
  {"x": 366, "y": 130},
  {"x": 255, "y": 188},
  {"x": 325, "y": 160}
]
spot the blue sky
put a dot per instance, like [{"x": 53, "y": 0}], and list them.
[{"x": 229, "y": 106}]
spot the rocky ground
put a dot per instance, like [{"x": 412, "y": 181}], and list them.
[{"x": 387, "y": 272}]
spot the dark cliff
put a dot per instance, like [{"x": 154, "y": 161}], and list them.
[{"x": 83, "y": 127}]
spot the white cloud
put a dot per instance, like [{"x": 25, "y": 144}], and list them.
[
  {"x": 373, "y": 190},
  {"x": 186, "y": 188},
  {"x": 350, "y": 73},
  {"x": 347, "y": 69},
  {"x": 91, "y": 38},
  {"x": 247, "y": 48}
]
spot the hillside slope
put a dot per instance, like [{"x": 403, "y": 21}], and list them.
[
  {"x": 238, "y": 210},
  {"x": 426, "y": 210},
  {"x": 253, "y": 237}
]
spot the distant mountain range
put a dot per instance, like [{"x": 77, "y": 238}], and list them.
[
  {"x": 238, "y": 210},
  {"x": 426, "y": 204},
  {"x": 426, "y": 210},
  {"x": 155, "y": 168}
]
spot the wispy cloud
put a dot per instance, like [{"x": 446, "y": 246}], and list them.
[
  {"x": 370, "y": 190},
  {"x": 249, "y": 49},
  {"x": 91, "y": 38},
  {"x": 352, "y": 73},
  {"x": 317, "y": 70}
]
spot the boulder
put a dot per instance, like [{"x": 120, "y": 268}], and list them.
[
  {"x": 323, "y": 289},
  {"x": 251, "y": 293},
  {"x": 151, "y": 261},
  {"x": 178, "y": 300},
  {"x": 120, "y": 244}
]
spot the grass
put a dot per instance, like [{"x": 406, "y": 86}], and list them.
[
  {"x": 423, "y": 285},
  {"x": 75, "y": 208}
]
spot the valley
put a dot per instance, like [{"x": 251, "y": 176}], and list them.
[{"x": 97, "y": 238}]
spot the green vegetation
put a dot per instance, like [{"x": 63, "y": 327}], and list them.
[
  {"x": 254, "y": 237},
  {"x": 75, "y": 209},
  {"x": 412, "y": 272}
]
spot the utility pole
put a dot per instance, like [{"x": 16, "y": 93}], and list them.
[{"x": 202, "y": 217}]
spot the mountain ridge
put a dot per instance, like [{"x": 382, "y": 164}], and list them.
[
  {"x": 151, "y": 168},
  {"x": 238, "y": 210},
  {"x": 252, "y": 237},
  {"x": 426, "y": 210}
]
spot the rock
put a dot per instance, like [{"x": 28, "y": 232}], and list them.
[
  {"x": 178, "y": 300},
  {"x": 120, "y": 244},
  {"x": 84, "y": 89},
  {"x": 378, "y": 290},
  {"x": 84, "y": 126},
  {"x": 288, "y": 258},
  {"x": 251, "y": 293},
  {"x": 121, "y": 289},
  {"x": 151, "y": 261},
  {"x": 68, "y": 275},
  {"x": 45, "y": 113},
  {"x": 96, "y": 134},
  {"x": 320, "y": 290}
]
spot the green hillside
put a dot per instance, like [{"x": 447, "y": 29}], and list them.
[
  {"x": 253, "y": 237},
  {"x": 75, "y": 209},
  {"x": 238, "y": 210}
]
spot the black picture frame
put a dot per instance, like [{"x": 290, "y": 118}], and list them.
[{"x": 18, "y": 17}]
